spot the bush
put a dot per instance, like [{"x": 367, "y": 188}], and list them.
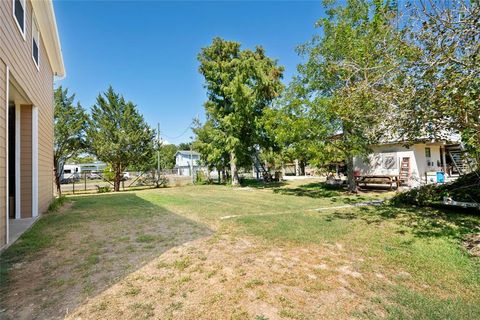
[
  {"x": 56, "y": 204},
  {"x": 103, "y": 189},
  {"x": 421, "y": 196},
  {"x": 465, "y": 188},
  {"x": 201, "y": 178}
]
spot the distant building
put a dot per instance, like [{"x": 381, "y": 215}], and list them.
[
  {"x": 97, "y": 166},
  {"x": 416, "y": 164},
  {"x": 186, "y": 161}
]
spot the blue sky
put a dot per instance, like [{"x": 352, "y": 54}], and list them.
[{"x": 147, "y": 49}]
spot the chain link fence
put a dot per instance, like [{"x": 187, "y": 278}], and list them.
[{"x": 98, "y": 182}]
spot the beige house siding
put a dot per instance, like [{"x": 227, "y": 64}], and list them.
[
  {"x": 3, "y": 146},
  {"x": 26, "y": 176},
  {"x": 16, "y": 53}
]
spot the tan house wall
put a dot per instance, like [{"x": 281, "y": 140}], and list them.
[
  {"x": 3, "y": 146},
  {"x": 26, "y": 175},
  {"x": 16, "y": 53}
]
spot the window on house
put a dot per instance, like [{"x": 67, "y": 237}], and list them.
[
  {"x": 19, "y": 14},
  {"x": 428, "y": 153},
  {"x": 35, "y": 43}
]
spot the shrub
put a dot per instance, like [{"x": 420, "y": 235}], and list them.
[
  {"x": 56, "y": 204},
  {"x": 201, "y": 178},
  {"x": 103, "y": 189},
  {"x": 466, "y": 188},
  {"x": 421, "y": 196}
]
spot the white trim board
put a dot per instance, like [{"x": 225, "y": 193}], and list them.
[
  {"x": 24, "y": 6},
  {"x": 7, "y": 200}
]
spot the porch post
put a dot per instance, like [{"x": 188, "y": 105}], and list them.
[{"x": 444, "y": 159}]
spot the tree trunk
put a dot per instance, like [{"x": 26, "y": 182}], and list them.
[
  {"x": 352, "y": 185},
  {"x": 233, "y": 168},
  {"x": 57, "y": 170},
  {"x": 57, "y": 181},
  {"x": 118, "y": 178},
  {"x": 302, "y": 167}
]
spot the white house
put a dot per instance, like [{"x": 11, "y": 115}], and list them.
[
  {"x": 186, "y": 161},
  {"x": 97, "y": 166},
  {"x": 416, "y": 164}
]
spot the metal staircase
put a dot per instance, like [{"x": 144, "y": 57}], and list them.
[
  {"x": 260, "y": 168},
  {"x": 462, "y": 164}
]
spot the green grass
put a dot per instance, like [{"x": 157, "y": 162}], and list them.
[{"x": 420, "y": 250}]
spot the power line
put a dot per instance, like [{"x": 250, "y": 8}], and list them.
[{"x": 183, "y": 132}]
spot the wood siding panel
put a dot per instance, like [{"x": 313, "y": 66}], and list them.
[
  {"x": 3, "y": 146},
  {"x": 37, "y": 84},
  {"x": 26, "y": 176}
]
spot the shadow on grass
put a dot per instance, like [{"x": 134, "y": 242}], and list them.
[
  {"x": 77, "y": 254},
  {"x": 260, "y": 184},
  {"x": 423, "y": 222},
  {"x": 313, "y": 190}
]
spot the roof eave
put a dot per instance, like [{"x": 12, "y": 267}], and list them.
[{"x": 47, "y": 25}]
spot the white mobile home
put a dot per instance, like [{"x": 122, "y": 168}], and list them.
[
  {"x": 414, "y": 164},
  {"x": 70, "y": 172}
]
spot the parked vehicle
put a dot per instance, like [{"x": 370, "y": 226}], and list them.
[
  {"x": 70, "y": 173},
  {"x": 94, "y": 175}
]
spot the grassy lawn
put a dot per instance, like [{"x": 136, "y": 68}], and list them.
[{"x": 216, "y": 252}]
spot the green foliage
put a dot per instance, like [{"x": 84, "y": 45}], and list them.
[
  {"x": 201, "y": 178},
  {"x": 119, "y": 134},
  {"x": 210, "y": 144},
  {"x": 167, "y": 156},
  {"x": 335, "y": 108},
  {"x": 56, "y": 204},
  {"x": 240, "y": 85},
  {"x": 103, "y": 189},
  {"x": 422, "y": 196},
  {"x": 446, "y": 75},
  {"x": 70, "y": 124},
  {"x": 466, "y": 189},
  {"x": 108, "y": 173},
  {"x": 83, "y": 159},
  {"x": 185, "y": 146}
]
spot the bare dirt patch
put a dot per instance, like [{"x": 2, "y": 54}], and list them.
[
  {"x": 224, "y": 277},
  {"x": 87, "y": 258},
  {"x": 472, "y": 244}
]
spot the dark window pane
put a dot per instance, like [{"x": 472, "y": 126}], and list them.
[
  {"x": 19, "y": 14},
  {"x": 35, "y": 51}
]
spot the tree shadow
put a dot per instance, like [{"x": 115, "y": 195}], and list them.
[
  {"x": 260, "y": 184},
  {"x": 422, "y": 221},
  {"x": 69, "y": 256},
  {"x": 313, "y": 190}
]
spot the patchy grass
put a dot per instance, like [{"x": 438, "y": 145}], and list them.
[{"x": 168, "y": 254}]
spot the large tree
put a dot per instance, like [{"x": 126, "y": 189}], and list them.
[
  {"x": 345, "y": 96},
  {"x": 70, "y": 122},
  {"x": 446, "y": 76},
  {"x": 118, "y": 134},
  {"x": 240, "y": 85}
]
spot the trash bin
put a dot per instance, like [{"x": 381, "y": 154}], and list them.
[
  {"x": 440, "y": 177},
  {"x": 431, "y": 177}
]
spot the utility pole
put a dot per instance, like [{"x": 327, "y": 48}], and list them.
[{"x": 158, "y": 155}]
